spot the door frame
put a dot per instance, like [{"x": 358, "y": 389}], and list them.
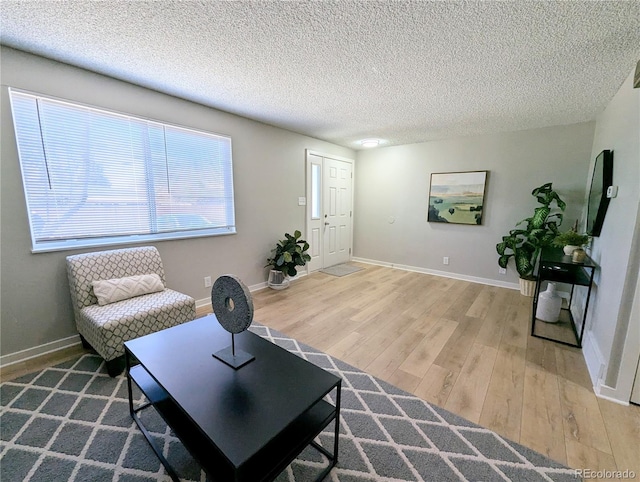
[{"x": 308, "y": 220}]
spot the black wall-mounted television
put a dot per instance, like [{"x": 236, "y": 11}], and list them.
[{"x": 598, "y": 201}]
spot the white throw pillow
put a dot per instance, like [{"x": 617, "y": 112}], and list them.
[{"x": 118, "y": 289}]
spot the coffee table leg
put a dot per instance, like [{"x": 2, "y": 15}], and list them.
[
  {"x": 337, "y": 429},
  {"x": 127, "y": 360},
  {"x": 143, "y": 429},
  {"x": 333, "y": 457},
  {"x": 155, "y": 448}
]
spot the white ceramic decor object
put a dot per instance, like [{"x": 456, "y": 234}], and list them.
[{"x": 549, "y": 305}]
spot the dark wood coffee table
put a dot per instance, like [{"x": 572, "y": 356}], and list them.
[{"x": 240, "y": 425}]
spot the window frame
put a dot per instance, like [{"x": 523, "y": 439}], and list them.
[{"x": 128, "y": 239}]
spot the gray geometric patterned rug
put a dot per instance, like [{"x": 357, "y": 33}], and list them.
[{"x": 71, "y": 423}]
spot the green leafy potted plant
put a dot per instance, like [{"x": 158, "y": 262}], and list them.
[
  {"x": 570, "y": 240},
  {"x": 289, "y": 254},
  {"x": 539, "y": 231}
]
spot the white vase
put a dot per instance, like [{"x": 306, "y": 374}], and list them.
[
  {"x": 569, "y": 249},
  {"x": 549, "y": 305}
]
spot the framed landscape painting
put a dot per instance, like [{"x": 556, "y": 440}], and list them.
[{"x": 457, "y": 197}]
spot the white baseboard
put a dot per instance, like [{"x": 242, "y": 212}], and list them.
[
  {"x": 609, "y": 393},
  {"x": 36, "y": 351},
  {"x": 596, "y": 366},
  {"x": 593, "y": 358},
  {"x": 259, "y": 286},
  {"x": 444, "y": 274}
]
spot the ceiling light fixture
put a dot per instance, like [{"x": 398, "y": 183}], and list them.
[{"x": 370, "y": 142}]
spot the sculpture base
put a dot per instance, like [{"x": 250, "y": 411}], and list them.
[{"x": 235, "y": 361}]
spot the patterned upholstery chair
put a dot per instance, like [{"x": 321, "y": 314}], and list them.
[{"x": 119, "y": 295}]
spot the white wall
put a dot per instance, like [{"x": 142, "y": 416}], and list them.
[
  {"x": 269, "y": 175},
  {"x": 614, "y": 337},
  {"x": 393, "y": 182}
]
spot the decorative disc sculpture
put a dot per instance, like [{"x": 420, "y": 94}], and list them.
[{"x": 233, "y": 307}]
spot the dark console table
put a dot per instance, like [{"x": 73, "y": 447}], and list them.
[
  {"x": 240, "y": 425},
  {"x": 557, "y": 267}
]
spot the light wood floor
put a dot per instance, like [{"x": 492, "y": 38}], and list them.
[
  {"x": 462, "y": 346},
  {"x": 465, "y": 347}
]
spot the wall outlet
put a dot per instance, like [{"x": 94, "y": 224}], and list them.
[
  {"x": 502, "y": 270},
  {"x": 207, "y": 281},
  {"x": 445, "y": 260}
]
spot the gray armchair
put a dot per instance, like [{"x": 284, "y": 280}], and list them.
[{"x": 119, "y": 295}]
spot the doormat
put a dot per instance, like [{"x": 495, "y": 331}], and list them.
[{"x": 341, "y": 269}]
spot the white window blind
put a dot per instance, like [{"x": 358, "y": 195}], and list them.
[{"x": 94, "y": 177}]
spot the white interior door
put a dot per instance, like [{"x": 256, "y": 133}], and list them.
[
  {"x": 337, "y": 190},
  {"x": 329, "y": 210}
]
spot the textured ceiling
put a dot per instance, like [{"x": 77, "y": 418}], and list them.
[{"x": 403, "y": 71}]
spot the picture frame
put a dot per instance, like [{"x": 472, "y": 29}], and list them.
[{"x": 457, "y": 197}]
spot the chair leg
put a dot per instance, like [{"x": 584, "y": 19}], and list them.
[
  {"x": 85, "y": 343},
  {"x": 115, "y": 366}
]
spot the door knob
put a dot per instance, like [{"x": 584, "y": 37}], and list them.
[{"x": 326, "y": 223}]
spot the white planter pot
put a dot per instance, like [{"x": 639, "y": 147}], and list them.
[
  {"x": 527, "y": 287},
  {"x": 278, "y": 280},
  {"x": 549, "y": 305}
]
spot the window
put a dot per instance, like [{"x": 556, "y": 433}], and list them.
[
  {"x": 315, "y": 191},
  {"x": 93, "y": 177}
]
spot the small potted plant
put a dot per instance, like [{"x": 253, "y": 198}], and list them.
[
  {"x": 289, "y": 254},
  {"x": 525, "y": 244},
  {"x": 570, "y": 240}
]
